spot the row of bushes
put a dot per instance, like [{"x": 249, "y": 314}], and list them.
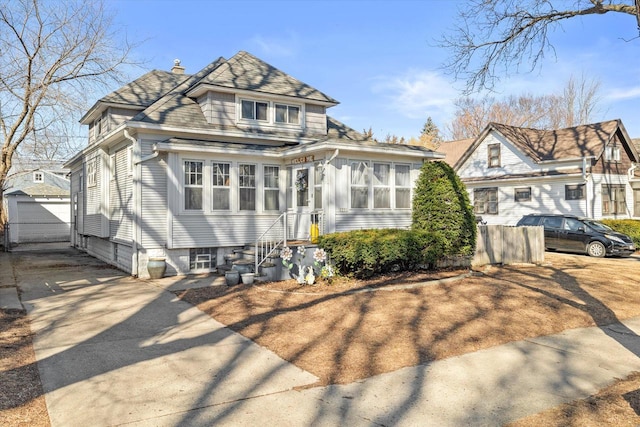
[
  {"x": 630, "y": 227},
  {"x": 364, "y": 253}
]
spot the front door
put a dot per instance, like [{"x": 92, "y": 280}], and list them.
[{"x": 300, "y": 203}]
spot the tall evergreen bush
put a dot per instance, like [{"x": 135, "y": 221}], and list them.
[{"x": 441, "y": 206}]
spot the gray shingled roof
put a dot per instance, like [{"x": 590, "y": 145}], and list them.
[
  {"x": 42, "y": 190},
  {"x": 245, "y": 71},
  {"x": 145, "y": 90}
]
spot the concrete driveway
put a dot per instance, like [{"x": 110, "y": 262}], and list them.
[{"x": 114, "y": 350}]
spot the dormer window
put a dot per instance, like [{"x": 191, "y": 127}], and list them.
[
  {"x": 38, "y": 177},
  {"x": 255, "y": 110},
  {"x": 287, "y": 114}
]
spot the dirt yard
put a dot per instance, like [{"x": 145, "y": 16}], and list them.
[{"x": 345, "y": 331}]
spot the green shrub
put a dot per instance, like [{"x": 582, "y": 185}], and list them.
[
  {"x": 441, "y": 206},
  {"x": 364, "y": 253},
  {"x": 630, "y": 227}
]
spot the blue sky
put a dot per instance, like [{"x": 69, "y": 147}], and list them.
[{"x": 378, "y": 58}]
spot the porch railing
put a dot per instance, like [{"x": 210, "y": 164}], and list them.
[{"x": 286, "y": 228}]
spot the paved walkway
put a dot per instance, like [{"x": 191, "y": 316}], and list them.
[{"x": 113, "y": 350}]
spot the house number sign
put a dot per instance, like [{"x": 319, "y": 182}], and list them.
[{"x": 300, "y": 160}]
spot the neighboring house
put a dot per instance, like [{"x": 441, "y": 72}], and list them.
[
  {"x": 191, "y": 167},
  {"x": 38, "y": 206},
  {"x": 586, "y": 170}
]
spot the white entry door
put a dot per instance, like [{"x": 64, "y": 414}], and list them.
[{"x": 300, "y": 203}]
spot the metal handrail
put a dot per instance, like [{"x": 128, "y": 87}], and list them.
[{"x": 266, "y": 246}]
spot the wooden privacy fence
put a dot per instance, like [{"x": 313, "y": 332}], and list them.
[{"x": 501, "y": 244}]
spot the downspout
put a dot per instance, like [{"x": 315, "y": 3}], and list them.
[
  {"x": 585, "y": 179},
  {"x": 136, "y": 211}
]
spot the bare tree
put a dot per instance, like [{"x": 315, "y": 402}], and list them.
[
  {"x": 577, "y": 105},
  {"x": 493, "y": 37},
  {"x": 51, "y": 55}
]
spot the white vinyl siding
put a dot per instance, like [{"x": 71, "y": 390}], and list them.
[
  {"x": 315, "y": 119},
  {"x": 218, "y": 108},
  {"x": 120, "y": 197},
  {"x": 153, "y": 213},
  {"x": 512, "y": 161}
]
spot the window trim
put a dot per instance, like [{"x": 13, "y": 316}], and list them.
[
  {"x": 92, "y": 172},
  {"x": 227, "y": 187},
  {"x": 521, "y": 189},
  {"x": 612, "y": 154},
  {"x": 201, "y": 186},
  {"x": 265, "y": 189},
  {"x": 367, "y": 185},
  {"x": 486, "y": 207},
  {"x": 255, "y": 187},
  {"x": 397, "y": 187},
  {"x": 574, "y": 187},
  {"x": 615, "y": 203},
  {"x": 38, "y": 176},
  {"x": 375, "y": 186},
  {"x": 498, "y": 157}
]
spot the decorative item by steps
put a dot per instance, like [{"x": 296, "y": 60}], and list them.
[
  {"x": 156, "y": 267},
  {"x": 232, "y": 277},
  {"x": 248, "y": 278}
]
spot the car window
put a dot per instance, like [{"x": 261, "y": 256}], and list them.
[
  {"x": 598, "y": 226},
  {"x": 552, "y": 222},
  {"x": 572, "y": 224},
  {"x": 529, "y": 220}
]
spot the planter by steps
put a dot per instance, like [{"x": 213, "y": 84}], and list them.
[
  {"x": 248, "y": 278},
  {"x": 232, "y": 277}
]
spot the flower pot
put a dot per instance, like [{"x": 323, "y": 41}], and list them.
[
  {"x": 232, "y": 277},
  {"x": 156, "y": 267},
  {"x": 248, "y": 278}
]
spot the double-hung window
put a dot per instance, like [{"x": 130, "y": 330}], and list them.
[
  {"x": 193, "y": 185},
  {"x": 287, "y": 114},
  {"x": 494, "y": 155},
  {"x": 359, "y": 185},
  {"x": 92, "y": 172},
  {"x": 381, "y": 185},
  {"x": 247, "y": 187},
  {"x": 220, "y": 187},
  {"x": 403, "y": 186},
  {"x": 255, "y": 110},
  {"x": 271, "y": 188},
  {"x": 485, "y": 201},
  {"x": 613, "y": 199}
]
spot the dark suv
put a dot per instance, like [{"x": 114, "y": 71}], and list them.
[{"x": 574, "y": 234}]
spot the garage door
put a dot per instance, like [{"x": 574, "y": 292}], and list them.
[{"x": 41, "y": 221}]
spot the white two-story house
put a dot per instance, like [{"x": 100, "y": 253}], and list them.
[
  {"x": 587, "y": 170},
  {"x": 189, "y": 167}
]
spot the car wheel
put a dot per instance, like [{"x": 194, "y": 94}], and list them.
[{"x": 596, "y": 249}]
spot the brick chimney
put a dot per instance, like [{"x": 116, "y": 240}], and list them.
[{"x": 177, "y": 69}]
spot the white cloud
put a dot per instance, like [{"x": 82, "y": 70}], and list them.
[
  {"x": 621, "y": 94},
  {"x": 417, "y": 92},
  {"x": 276, "y": 46}
]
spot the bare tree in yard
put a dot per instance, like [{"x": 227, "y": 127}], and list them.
[
  {"x": 52, "y": 54},
  {"x": 498, "y": 36},
  {"x": 577, "y": 105}
]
